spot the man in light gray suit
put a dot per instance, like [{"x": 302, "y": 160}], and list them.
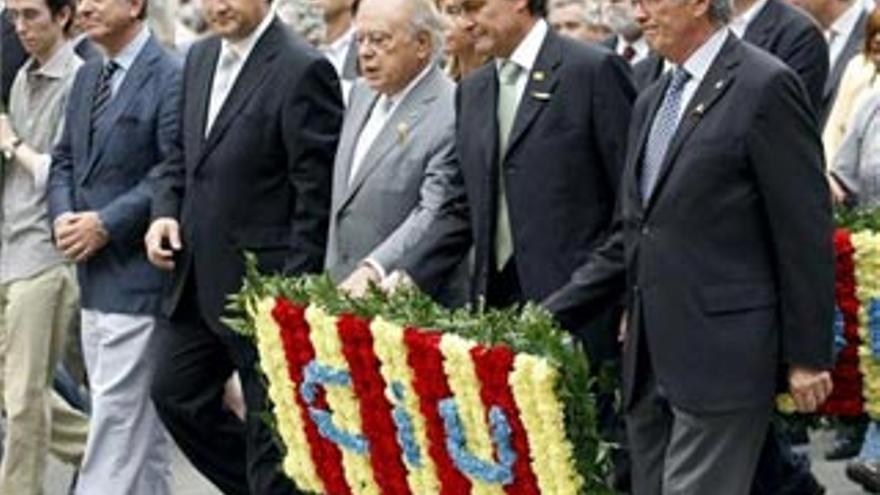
[{"x": 395, "y": 170}]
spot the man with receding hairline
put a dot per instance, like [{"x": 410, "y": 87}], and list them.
[{"x": 122, "y": 115}]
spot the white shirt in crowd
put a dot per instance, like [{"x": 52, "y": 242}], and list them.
[{"x": 741, "y": 23}]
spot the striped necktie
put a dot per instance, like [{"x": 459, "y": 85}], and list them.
[{"x": 103, "y": 93}]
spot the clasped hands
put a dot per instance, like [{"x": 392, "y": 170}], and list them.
[{"x": 80, "y": 235}]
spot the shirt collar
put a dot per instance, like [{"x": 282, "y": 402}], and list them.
[
  {"x": 741, "y": 23},
  {"x": 394, "y": 100},
  {"x": 245, "y": 46},
  {"x": 697, "y": 65},
  {"x": 126, "y": 57},
  {"x": 846, "y": 23},
  {"x": 526, "y": 53},
  {"x": 57, "y": 66},
  {"x": 341, "y": 43}
]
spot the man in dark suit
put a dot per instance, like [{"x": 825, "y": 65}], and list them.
[
  {"x": 541, "y": 141},
  {"x": 252, "y": 172},
  {"x": 788, "y": 33},
  {"x": 723, "y": 247},
  {"x": 843, "y": 23},
  {"x": 121, "y": 118}
]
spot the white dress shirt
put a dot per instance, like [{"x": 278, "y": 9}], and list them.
[
  {"x": 698, "y": 64},
  {"x": 126, "y": 57},
  {"x": 337, "y": 54},
  {"x": 842, "y": 28},
  {"x": 640, "y": 46},
  {"x": 741, "y": 23},
  {"x": 382, "y": 111},
  {"x": 232, "y": 58}
]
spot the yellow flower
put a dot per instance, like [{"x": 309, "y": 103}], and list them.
[
  {"x": 465, "y": 385},
  {"x": 392, "y": 352},
  {"x": 342, "y": 400},
  {"x": 282, "y": 391}
]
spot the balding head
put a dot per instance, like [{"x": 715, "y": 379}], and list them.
[{"x": 397, "y": 39}]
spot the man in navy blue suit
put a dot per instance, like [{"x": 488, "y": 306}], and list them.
[{"x": 122, "y": 114}]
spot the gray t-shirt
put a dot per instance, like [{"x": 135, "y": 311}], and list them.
[{"x": 37, "y": 104}]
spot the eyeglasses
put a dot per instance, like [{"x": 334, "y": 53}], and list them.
[{"x": 379, "y": 40}]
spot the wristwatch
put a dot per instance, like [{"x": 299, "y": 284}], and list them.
[{"x": 9, "y": 153}]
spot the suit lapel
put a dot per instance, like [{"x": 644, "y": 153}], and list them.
[
  {"x": 762, "y": 26},
  {"x": 140, "y": 72},
  {"x": 539, "y": 89},
  {"x": 713, "y": 86},
  {"x": 362, "y": 102},
  {"x": 202, "y": 97},
  {"x": 851, "y": 47},
  {"x": 251, "y": 77},
  {"x": 397, "y": 129},
  {"x": 91, "y": 73}
]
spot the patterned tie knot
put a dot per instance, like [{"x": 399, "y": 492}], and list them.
[
  {"x": 509, "y": 71},
  {"x": 680, "y": 77},
  {"x": 110, "y": 68}
]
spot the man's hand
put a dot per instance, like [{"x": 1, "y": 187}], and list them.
[
  {"x": 809, "y": 387},
  {"x": 162, "y": 241},
  {"x": 80, "y": 235},
  {"x": 398, "y": 280},
  {"x": 7, "y": 135},
  {"x": 359, "y": 281},
  {"x": 838, "y": 193}
]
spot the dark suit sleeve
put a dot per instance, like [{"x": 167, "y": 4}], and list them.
[
  {"x": 785, "y": 152},
  {"x": 433, "y": 260},
  {"x": 168, "y": 179},
  {"x": 61, "y": 177},
  {"x": 594, "y": 286},
  {"x": 613, "y": 94},
  {"x": 124, "y": 217},
  {"x": 311, "y": 123},
  {"x": 807, "y": 55}
]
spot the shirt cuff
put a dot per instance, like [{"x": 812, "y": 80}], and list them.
[
  {"x": 41, "y": 172},
  {"x": 376, "y": 266}
]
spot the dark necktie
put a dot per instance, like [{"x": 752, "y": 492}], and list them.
[
  {"x": 662, "y": 129},
  {"x": 104, "y": 92},
  {"x": 629, "y": 53}
]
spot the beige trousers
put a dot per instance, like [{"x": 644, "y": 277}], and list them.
[{"x": 35, "y": 314}]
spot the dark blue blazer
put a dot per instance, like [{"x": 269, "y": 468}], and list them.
[{"x": 109, "y": 174}]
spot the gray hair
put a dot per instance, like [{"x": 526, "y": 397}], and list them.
[
  {"x": 426, "y": 18},
  {"x": 720, "y": 11},
  {"x": 592, "y": 10}
]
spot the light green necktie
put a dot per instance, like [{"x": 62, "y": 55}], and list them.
[{"x": 508, "y": 101}]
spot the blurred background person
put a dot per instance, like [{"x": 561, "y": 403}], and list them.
[
  {"x": 338, "y": 44},
  {"x": 461, "y": 57},
  {"x": 843, "y": 22},
  {"x": 305, "y": 17},
  {"x": 578, "y": 19},
  {"x": 627, "y": 39},
  {"x": 859, "y": 78}
]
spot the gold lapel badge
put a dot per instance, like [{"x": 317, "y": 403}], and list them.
[
  {"x": 541, "y": 96},
  {"x": 700, "y": 110},
  {"x": 402, "y": 132},
  {"x": 538, "y": 75}
]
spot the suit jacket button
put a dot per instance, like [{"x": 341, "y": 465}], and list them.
[{"x": 646, "y": 230}]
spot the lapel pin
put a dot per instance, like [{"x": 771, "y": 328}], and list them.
[
  {"x": 700, "y": 110},
  {"x": 538, "y": 75},
  {"x": 402, "y": 132},
  {"x": 719, "y": 84},
  {"x": 540, "y": 95}
]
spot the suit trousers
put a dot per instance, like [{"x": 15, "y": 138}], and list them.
[
  {"x": 678, "y": 452},
  {"x": 35, "y": 314},
  {"x": 196, "y": 361},
  {"x": 128, "y": 451}
]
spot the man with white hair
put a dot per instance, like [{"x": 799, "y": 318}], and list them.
[
  {"x": 578, "y": 19},
  {"x": 395, "y": 169},
  {"x": 627, "y": 39},
  {"x": 721, "y": 247}
]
